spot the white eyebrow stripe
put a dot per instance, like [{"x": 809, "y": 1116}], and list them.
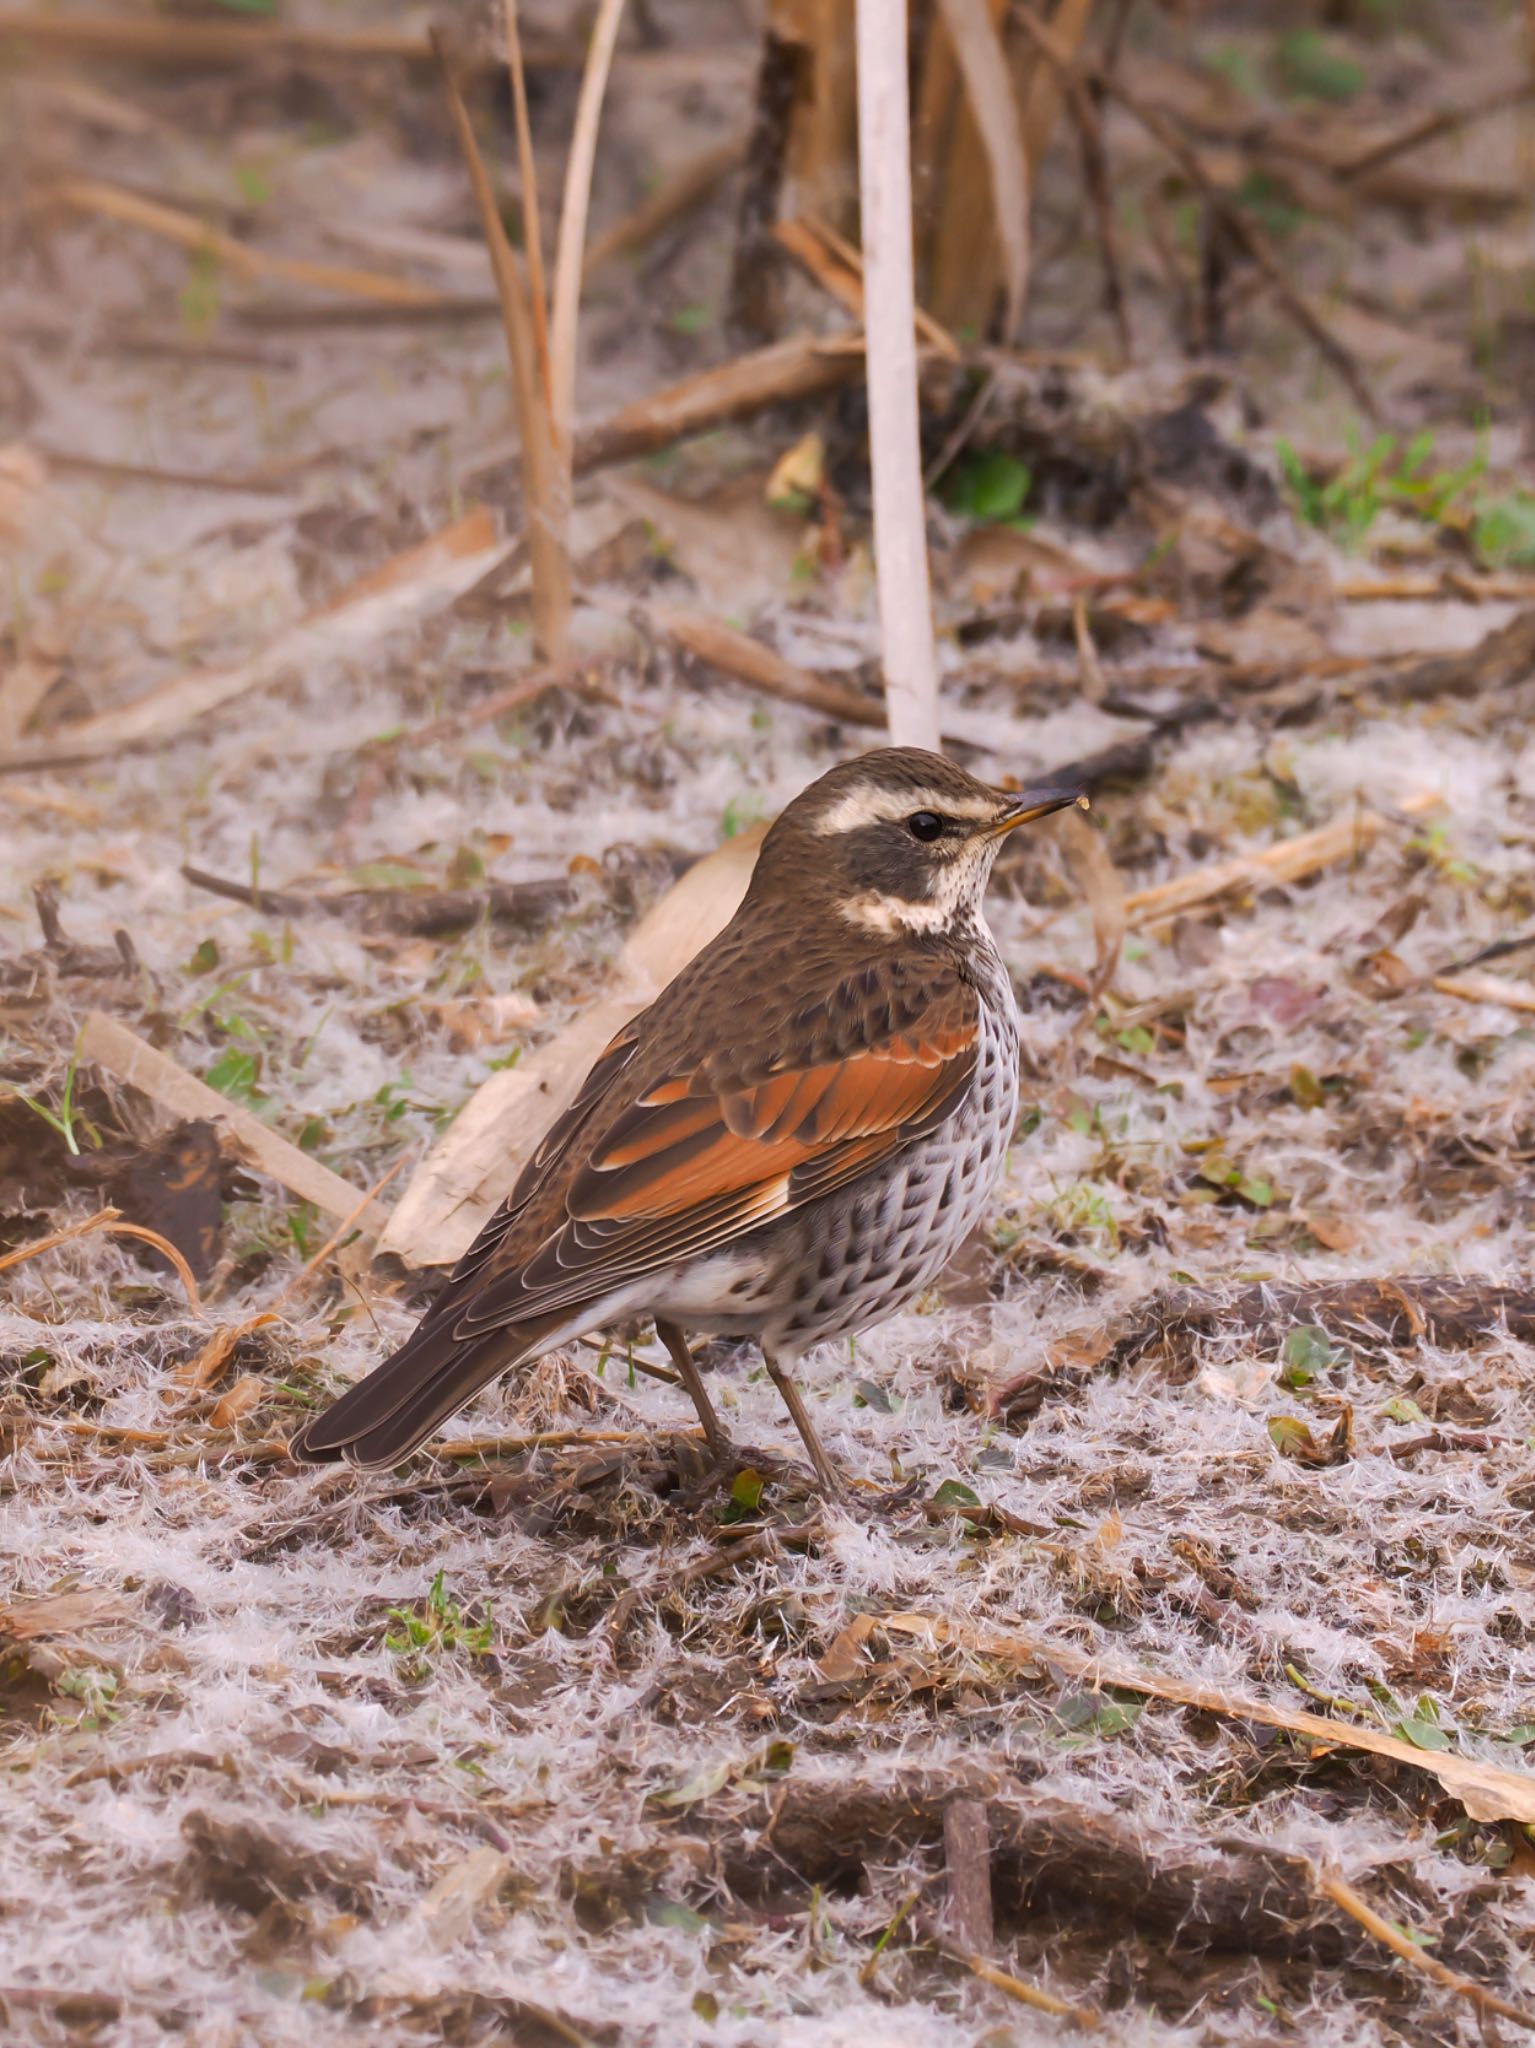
[{"x": 870, "y": 806}]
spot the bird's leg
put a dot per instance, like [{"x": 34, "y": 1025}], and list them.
[
  {"x": 714, "y": 1432},
  {"x": 825, "y": 1471}
]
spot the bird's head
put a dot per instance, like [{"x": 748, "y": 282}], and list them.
[{"x": 901, "y": 840}]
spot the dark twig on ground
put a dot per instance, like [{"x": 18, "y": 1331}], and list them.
[{"x": 426, "y": 913}]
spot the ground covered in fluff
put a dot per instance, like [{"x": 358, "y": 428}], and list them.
[{"x": 546, "y": 1737}]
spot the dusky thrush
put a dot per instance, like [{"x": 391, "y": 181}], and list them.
[{"x": 789, "y": 1144}]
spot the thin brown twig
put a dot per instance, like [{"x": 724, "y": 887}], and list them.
[
  {"x": 111, "y": 1221},
  {"x": 1098, "y": 186},
  {"x": 687, "y": 188},
  {"x": 94, "y": 195},
  {"x": 1344, "y": 1896},
  {"x": 1025, "y": 1994},
  {"x": 1430, "y": 128},
  {"x": 185, "y": 40},
  {"x": 1245, "y": 231},
  {"x": 347, "y": 1223}
]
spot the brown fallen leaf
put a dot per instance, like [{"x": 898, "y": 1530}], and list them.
[
  {"x": 247, "y": 1393},
  {"x": 59, "y": 1614},
  {"x": 845, "y": 1659},
  {"x": 204, "y": 1369}
]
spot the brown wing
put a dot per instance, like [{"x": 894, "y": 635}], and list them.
[
  {"x": 698, "y": 1158},
  {"x": 657, "y": 1162}
]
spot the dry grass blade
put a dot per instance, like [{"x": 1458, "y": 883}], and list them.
[
  {"x": 1068, "y": 27},
  {"x": 1487, "y": 988},
  {"x": 532, "y": 213},
  {"x": 1097, "y": 877},
  {"x": 348, "y": 1223},
  {"x": 186, "y": 41},
  {"x": 565, "y": 312},
  {"x": 545, "y": 475},
  {"x": 983, "y": 67},
  {"x": 22, "y": 689},
  {"x": 111, "y": 1221},
  {"x": 206, "y": 1366},
  {"x": 90, "y": 195},
  {"x": 397, "y": 592},
  {"x": 685, "y": 189},
  {"x": 113, "y": 1046},
  {"x": 1290, "y": 860},
  {"x": 102, "y": 1220},
  {"x": 838, "y": 268},
  {"x": 750, "y": 662},
  {"x": 545, "y": 1440},
  {"x": 1344, "y": 1896},
  {"x": 1027, "y": 1994},
  {"x": 900, "y": 523},
  {"x": 1487, "y": 1791}
]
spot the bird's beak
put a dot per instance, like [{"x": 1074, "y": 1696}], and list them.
[{"x": 1029, "y": 804}]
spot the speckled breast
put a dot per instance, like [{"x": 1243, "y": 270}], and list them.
[{"x": 842, "y": 1264}]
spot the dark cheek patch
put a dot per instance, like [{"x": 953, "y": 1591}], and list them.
[{"x": 886, "y": 859}]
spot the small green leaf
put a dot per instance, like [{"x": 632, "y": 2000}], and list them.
[
  {"x": 703, "y": 1784},
  {"x": 672, "y": 1913},
  {"x": 955, "y": 1494},
  {"x": 1314, "y": 66},
  {"x": 1097, "y": 1713},
  {"x": 1503, "y": 532},
  {"x": 1403, "y": 1408},
  {"x": 1422, "y": 1734},
  {"x": 706, "y": 2006},
  {"x": 205, "y": 959},
  {"x": 235, "y": 1073},
  {"x": 1305, "y": 1088},
  {"x": 869, "y": 1394},
  {"x": 776, "y": 1761},
  {"x": 746, "y": 1489},
  {"x": 1518, "y": 1737},
  {"x": 990, "y": 485},
  {"x": 1293, "y": 1439},
  {"x": 1309, "y": 1352}
]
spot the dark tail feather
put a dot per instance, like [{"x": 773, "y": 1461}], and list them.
[{"x": 400, "y": 1403}]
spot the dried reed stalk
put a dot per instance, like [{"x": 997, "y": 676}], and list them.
[
  {"x": 566, "y": 306},
  {"x": 546, "y": 476},
  {"x": 895, "y": 451}
]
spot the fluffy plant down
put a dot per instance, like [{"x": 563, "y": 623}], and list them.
[{"x": 546, "y": 1737}]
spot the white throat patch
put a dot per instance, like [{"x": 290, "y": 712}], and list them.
[
  {"x": 873, "y": 911},
  {"x": 959, "y": 888}
]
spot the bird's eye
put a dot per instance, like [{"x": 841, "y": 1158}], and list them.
[{"x": 925, "y": 825}]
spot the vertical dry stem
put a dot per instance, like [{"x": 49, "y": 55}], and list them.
[{"x": 895, "y": 454}]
